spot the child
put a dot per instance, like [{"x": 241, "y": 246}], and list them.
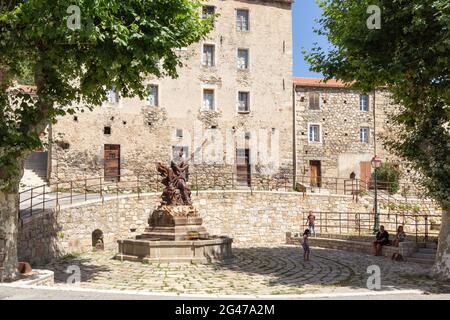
[
  {"x": 311, "y": 223},
  {"x": 305, "y": 245}
]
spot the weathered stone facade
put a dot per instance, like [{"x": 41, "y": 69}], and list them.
[
  {"x": 148, "y": 133},
  {"x": 340, "y": 149},
  {"x": 261, "y": 217}
]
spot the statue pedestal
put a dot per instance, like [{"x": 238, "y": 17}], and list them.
[
  {"x": 174, "y": 223},
  {"x": 175, "y": 234}
]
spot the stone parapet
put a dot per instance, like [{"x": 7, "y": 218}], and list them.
[
  {"x": 363, "y": 245},
  {"x": 258, "y": 217}
]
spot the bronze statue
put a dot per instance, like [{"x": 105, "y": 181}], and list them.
[{"x": 176, "y": 192}]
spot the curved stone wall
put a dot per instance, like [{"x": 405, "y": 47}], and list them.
[{"x": 257, "y": 218}]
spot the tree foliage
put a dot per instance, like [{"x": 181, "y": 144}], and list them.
[
  {"x": 119, "y": 44},
  {"x": 410, "y": 55},
  {"x": 388, "y": 176}
]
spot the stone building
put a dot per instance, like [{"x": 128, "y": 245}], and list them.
[
  {"x": 230, "y": 107},
  {"x": 338, "y": 131},
  {"x": 234, "y": 110}
]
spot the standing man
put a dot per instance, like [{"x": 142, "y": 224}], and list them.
[{"x": 311, "y": 222}]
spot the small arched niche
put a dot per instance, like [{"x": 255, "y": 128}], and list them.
[{"x": 97, "y": 239}]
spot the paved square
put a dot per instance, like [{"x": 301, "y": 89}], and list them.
[{"x": 266, "y": 270}]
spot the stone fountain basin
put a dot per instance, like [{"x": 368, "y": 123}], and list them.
[{"x": 153, "y": 250}]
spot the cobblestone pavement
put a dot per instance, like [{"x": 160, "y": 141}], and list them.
[{"x": 268, "y": 270}]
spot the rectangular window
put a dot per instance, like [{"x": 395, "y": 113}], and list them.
[
  {"x": 208, "y": 11},
  {"x": 314, "y": 101},
  {"x": 113, "y": 95},
  {"x": 152, "y": 95},
  {"x": 208, "y": 55},
  {"x": 242, "y": 59},
  {"x": 364, "y": 103},
  {"x": 242, "y": 22},
  {"x": 314, "y": 133},
  {"x": 208, "y": 99},
  {"x": 179, "y": 133},
  {"x": 243, "y": 102},
  {"x": 364, "y": 134}
]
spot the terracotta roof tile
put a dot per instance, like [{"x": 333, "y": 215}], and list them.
[
  {"x": 23, "y": 89},
  {"x": 318, "y": 82}
]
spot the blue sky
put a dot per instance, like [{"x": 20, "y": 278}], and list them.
[{"x": 304, "y": 12}]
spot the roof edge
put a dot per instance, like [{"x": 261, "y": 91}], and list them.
[{"x": 319, "y": 82}]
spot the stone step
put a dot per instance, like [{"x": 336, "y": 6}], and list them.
[
  {"x": 428, "y": 250},
  {"x": 35, "y": 173},
  {"x": 36, "y": 162},
  {"x": 422, "y": 255},
  {"x": 31, "y": 180},
  {"x": 419, "y": 260}
]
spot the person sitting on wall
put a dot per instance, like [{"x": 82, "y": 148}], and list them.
[
  {"x": 382, "y": 239},
  {"x": 399, "y": 237}
]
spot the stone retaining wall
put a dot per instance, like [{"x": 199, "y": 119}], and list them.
[
  {"x": 406, "y": 248},
  {"x": 252, "y": 218}
]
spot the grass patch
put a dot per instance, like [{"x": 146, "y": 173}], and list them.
[{"x": 69, "y": 256}]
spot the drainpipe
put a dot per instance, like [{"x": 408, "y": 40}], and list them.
[
  {"x": 49, "y": 152},
  {"x": 374, "y": 125},
  {"x": 294, "y": 139}
]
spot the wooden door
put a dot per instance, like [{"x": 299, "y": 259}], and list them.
[
  {"x": 243, "y": 168},
  {"x": 112, "y": 162},
  {"x": 316, "y": 173},
  {"x": 365, "y": 174}
]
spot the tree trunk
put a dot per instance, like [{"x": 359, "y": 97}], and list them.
[
  {"x": 9, "y": 207},
  {"x": 441, "y": 267}
]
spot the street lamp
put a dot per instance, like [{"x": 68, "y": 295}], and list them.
[{"x": 376, "y": 163}]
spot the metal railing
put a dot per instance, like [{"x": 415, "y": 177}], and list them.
[
  {"x": 355, "y": 186},
  {"x": 416, "y": 226},
  {"x": 38, "y": 199}
]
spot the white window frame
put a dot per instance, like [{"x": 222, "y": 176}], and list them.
[
  {"x": 156, "y": 102},
  {"x": 361, "y": 135},
  {"x": 248, "y": 19},
  {"x": 238, "y": 60},
  {"x": 248, "y": 102},
  {"x": 204, "y": 65},
  {"x": 214, "y": 99},
  {"x": 361, "y": 105},
  {"x": 309, "y": 133}
]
